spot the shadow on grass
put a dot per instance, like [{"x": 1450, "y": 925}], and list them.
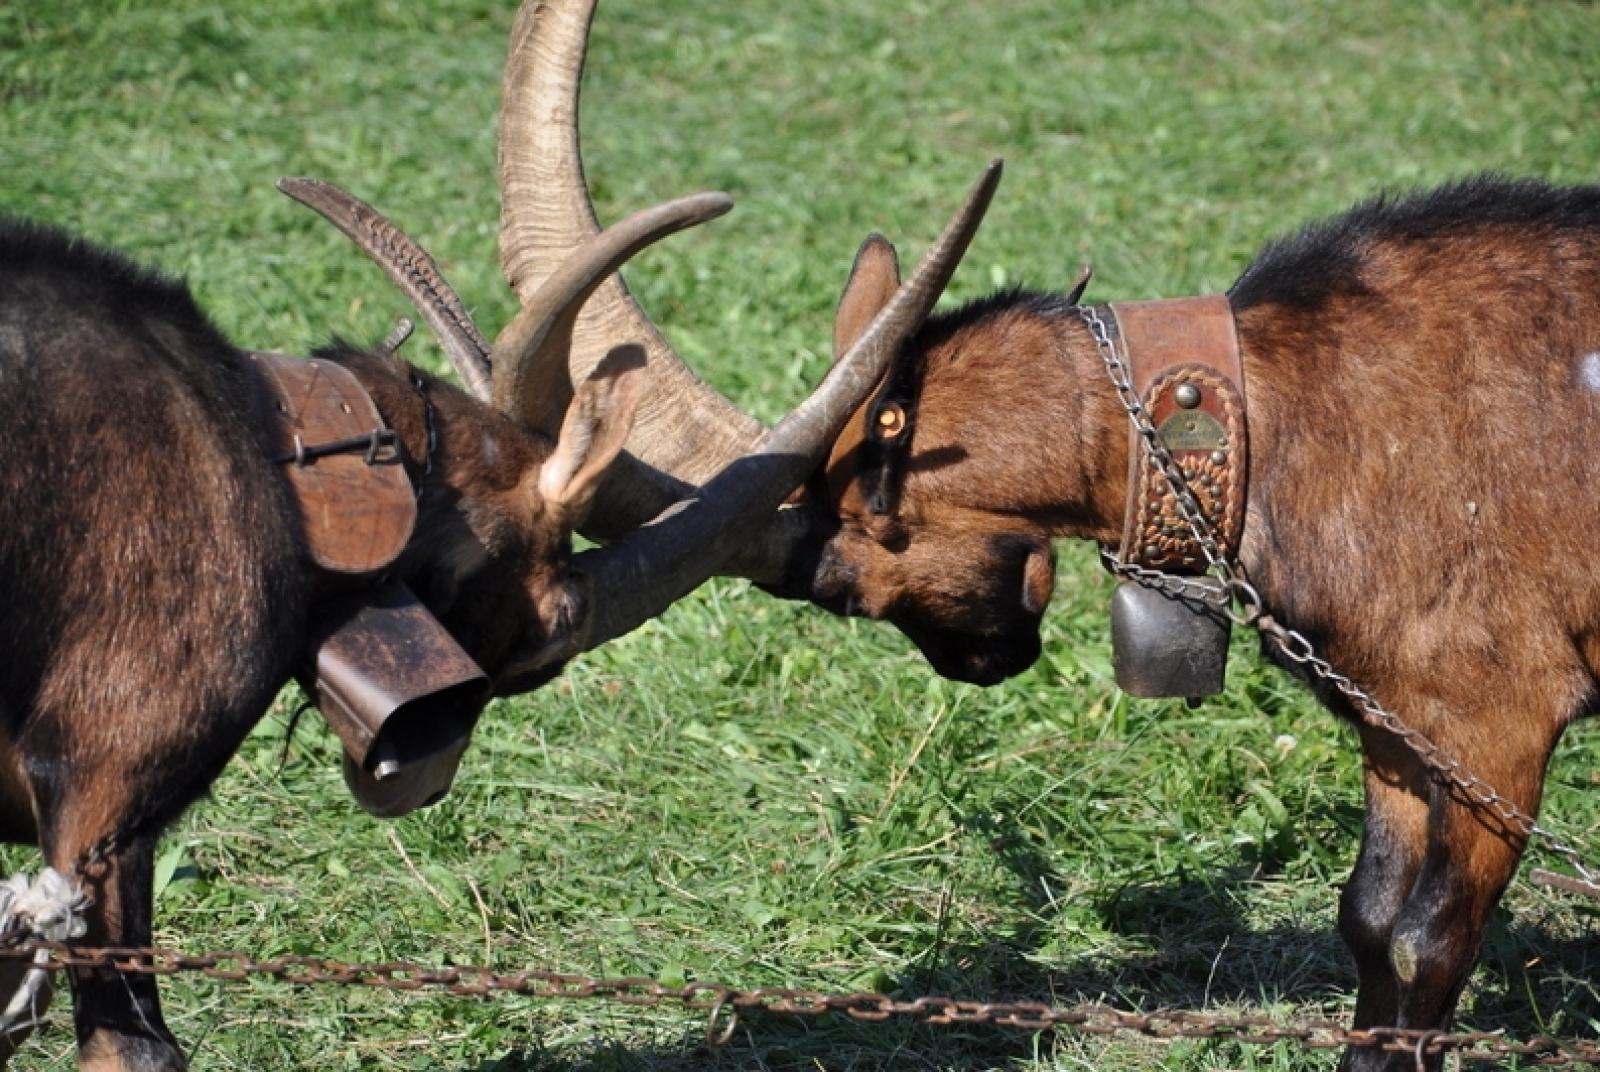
[
  {"x": 784, "y": 1046},
  {"x": 1202, "y": 954}
]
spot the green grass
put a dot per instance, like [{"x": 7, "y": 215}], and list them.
[{"x": 752, "y": 791}]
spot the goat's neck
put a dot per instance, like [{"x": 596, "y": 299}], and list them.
[
  {"x": 408, "y": 409},
  {"x": 1101, "y": 485},
  {"x": 1083, "y": 429},
  {"x": 404, "y": 401},
  {"x": 1094, "y": 500}
]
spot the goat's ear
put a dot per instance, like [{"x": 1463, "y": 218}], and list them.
[
  {"x": 874, "y": 278},
  {"x": 592, "y": 434}
]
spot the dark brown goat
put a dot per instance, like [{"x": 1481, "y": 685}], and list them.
[
  {"x": 1423, "y": 378},
  {"x": 154, "y": 566},
  {"x": 152, "y": 569}
]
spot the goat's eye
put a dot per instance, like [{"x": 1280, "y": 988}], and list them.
[{"x": 570, "y": 611}]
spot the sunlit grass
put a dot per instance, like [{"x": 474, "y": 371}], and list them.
[{"x": 747, "y": 790}]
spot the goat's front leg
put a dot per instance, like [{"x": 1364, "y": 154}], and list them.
[
  {"x": 117, "y": 1016},
  {"x": 1470, "y": 857}
]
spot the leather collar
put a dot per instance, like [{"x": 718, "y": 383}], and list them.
[
  {"x": 1183, "y": 361},
  {"x": 357, "y": 506},
  {"x": 400, "y": 692}
]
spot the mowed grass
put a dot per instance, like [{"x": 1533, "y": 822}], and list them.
[{"x": 746, "y": 790}]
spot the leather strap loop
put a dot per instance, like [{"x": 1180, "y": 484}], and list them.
[{"x": 357, "y": 508}]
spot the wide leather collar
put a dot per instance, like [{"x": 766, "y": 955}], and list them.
[
  {"x": 357, "y": 506},
  {"x": 1183, "y": 360}
]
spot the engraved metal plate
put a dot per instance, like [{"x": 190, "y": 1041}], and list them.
[{"x": 1192, "y": 429}]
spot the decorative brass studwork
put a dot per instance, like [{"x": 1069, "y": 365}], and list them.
[{"x": 1186, "y": 395}]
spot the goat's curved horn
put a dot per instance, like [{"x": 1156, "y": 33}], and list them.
[
  {"x": 637, "y": 577},
  {"x": 411, "y": 269},
  {"x": 531, "y": 379},
  {"x": 685, "y": 430}
]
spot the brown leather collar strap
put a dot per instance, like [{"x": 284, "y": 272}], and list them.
[
  {"x": 357, "y": 512},
  {"x": 1183, "y": 360}
]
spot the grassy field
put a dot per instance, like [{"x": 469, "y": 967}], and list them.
[{"x": 746, "y": 790}]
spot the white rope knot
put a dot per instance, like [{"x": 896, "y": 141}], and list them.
[{"x": 50, "y": 907}]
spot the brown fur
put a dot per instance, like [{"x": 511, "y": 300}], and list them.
[{"x": 1424, "y": 404}]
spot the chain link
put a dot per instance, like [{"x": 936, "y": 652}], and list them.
[
  {"x": 719, "y": 1000},
  {"x": 1294, "y": 646}
]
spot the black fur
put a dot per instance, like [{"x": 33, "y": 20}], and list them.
[
  {"x": 1324, "y": 260},
  {"x": 150, "y": 571},
  {"x": 942, "y": 325},
  {"x": 99, "y": 280}
]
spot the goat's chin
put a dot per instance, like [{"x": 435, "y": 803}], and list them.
[
  {"x": 976, "y": 660},
  {"x": 533, "y": 671},
  {"x": 527, "y": 680}
]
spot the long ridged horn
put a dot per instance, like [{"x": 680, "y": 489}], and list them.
[
  {"x": 639, "y": 576},
  {"x": 685, "y": 431},
  {"x": 531, "y": 378},
  {"x": 411, "y": 269}
]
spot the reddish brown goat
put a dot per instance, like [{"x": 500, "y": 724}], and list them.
[
  {"x": 1423, "y": 376},
  {"x": 1418, "y": 374}
]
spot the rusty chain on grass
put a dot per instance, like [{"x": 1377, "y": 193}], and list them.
[
  {"x": 1295, "y": 646},
  {"x": 724, "y": 1004}
]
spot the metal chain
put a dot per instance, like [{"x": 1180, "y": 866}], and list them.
[
  {"x": 723, "y": 1004},
  {"x": 1293, "y": 645}
]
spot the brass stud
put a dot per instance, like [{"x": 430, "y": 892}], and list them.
[
  {"x": 1186, "y": 395},
  {"x": 1219, "y": 457}
]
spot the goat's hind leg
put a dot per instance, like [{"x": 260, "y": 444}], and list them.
[{"x": 1393, "y": 842}]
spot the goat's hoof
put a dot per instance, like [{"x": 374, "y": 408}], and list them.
[{"x": 107, "y": 1051}]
